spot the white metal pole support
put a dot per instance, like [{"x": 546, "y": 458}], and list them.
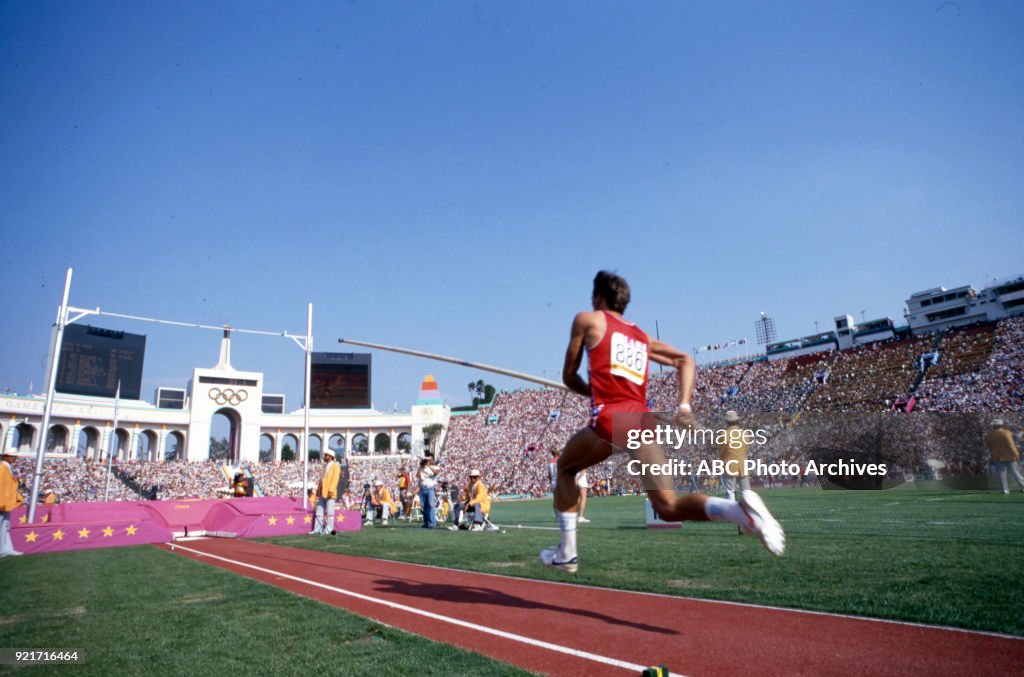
[
  {"x": 113, "y": 442},
  {"x": 305, "y": 408},
  {"x": 51, "y": 382},
  {"x": 464, "y": 363}
]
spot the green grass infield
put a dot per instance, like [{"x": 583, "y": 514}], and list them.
[{"x": 946, "y": 558}]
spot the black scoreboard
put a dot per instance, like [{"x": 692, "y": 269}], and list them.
[
  {"x": 93, "y": 360},
  {"x": 340, "y": 381}
]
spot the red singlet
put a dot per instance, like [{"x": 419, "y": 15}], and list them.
[{"x": 617, "y": 368}]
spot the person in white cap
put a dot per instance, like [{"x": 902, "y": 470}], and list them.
[
  {"x": 1004, "y": 454},
  {"x": 381, "y": 503},
  {"x": 479, "y": 503},
  {"x": 733, "y": 452},
  {"x": 327, "y": 494}
]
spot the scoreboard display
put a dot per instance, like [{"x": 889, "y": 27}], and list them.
[
  {"x": 339, "y": 381},
  {"x": 92, "y": 361}
]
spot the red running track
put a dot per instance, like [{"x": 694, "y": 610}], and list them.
[{"x": 564, "y": 629}]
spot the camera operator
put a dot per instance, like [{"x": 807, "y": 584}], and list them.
[{"x": 367, "y": 500}]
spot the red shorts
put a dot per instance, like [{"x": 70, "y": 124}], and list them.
[{"x": 612, "y": 421}]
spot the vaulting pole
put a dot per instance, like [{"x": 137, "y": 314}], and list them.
[{"x": 455, "y": 360}]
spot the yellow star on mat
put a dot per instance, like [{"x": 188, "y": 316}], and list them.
[
  {"x": 290, "y": 520},
  {"x": 23, "y": 519},
  {"x": 340, "y": 518},
  {"x": 130, "y": 530},
  {"x": 31, "y": 537},
  {"x": 273, "y": 521},
  {"x": 58, "y": 535},
  {"x": 108, "y": 532},
  {"x": 46, "y": 518},
  {"x": 307, "y": 519},
  {"x": 83, "y": 533}
]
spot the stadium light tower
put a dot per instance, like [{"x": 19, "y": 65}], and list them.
[{"x": 764, "y": 327}]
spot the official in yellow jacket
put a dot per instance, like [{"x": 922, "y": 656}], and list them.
[
  {"x": 1004, "y": 454},
  {"x": 327, "y": 494},
  {"x": 10, "y": 500},
  {"x": 479, "y": 503},
  {"x": 382, "y": 504}
]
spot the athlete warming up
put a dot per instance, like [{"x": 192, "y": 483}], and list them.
[{"x": 618, "y": 352}]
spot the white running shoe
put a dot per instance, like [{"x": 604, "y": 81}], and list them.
[
  {"x": 547, "y": 558},
  {"x": 762, "y": 524},
  {"x": 477, "y": 527},
  {"x": 583, "y": 520}
]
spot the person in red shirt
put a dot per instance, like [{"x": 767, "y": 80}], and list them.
[{"x": 618, "y": 353}]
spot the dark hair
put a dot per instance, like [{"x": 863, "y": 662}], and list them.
[{"x": 613, "y": 289}]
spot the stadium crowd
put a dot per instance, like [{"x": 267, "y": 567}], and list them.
[{"x": 978, "y": 369}]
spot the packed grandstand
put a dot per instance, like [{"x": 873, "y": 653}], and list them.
[{"x": 927, "y": 395}]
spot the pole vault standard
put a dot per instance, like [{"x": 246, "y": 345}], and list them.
[
  {"x": 64, "y": 318},
  {"x": 455, "y": 360}
]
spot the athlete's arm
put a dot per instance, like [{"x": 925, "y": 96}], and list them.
[
  {"x": 686, "y": 368},
  {"x": 574, "y": 355}
]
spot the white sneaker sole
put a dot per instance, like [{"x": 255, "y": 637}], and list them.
[
  {"x": 547, "y": 558},
  {"x": 763, "y": 525}
]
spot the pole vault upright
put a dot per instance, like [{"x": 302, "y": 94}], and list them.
[
  {"x": 51, "y": 382},
  {"x": 63, "y": 319},
  {"x": 305, "y": 408}
]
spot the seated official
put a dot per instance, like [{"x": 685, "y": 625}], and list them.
[
  {"x": 381, "y": 503},
  {"x": 479, "y": 503}
]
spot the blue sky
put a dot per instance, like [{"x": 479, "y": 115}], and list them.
[{"x": 449, "y": 176}]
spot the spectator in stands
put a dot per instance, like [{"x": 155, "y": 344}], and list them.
[
  {"x": 10, "y": 500},
  {"x": 1004, "y": 454}
]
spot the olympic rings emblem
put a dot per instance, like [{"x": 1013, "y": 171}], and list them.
[{"x": 228, "y": 396}]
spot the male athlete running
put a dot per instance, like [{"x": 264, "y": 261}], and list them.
[{"x": 618, "y": 352}]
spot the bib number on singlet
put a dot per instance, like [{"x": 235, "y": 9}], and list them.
[{"x": 628, "y": 358}]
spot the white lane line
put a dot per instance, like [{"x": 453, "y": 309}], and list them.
[
  {"x": 701, "y": 600},
  {"x": 614, "y": 662}
]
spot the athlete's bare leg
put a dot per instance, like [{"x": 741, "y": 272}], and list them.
[
  {"x": 584, "y": 449},
  {"x": 587, "y": 448},
  {"x": 749, "y": 513},
  {"x": 660, "y": 489}
]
